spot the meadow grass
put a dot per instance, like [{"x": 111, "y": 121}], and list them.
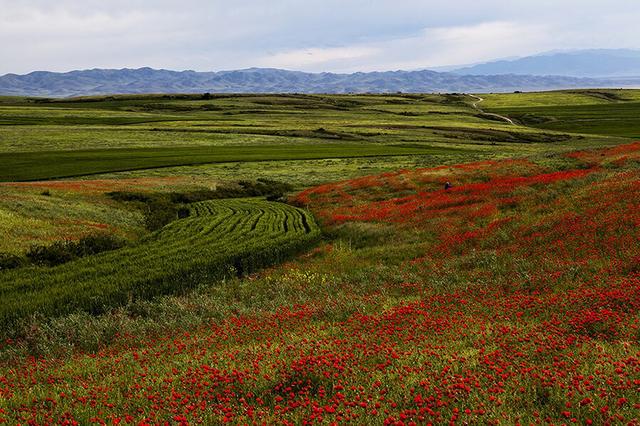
[
  {"x": 619, "y": 119},
  {"x": 560, "y": 98},
  {"x": 510, "y": 298},
  {"x": 603, "y": 112},
  {"x": 240, "y": 120}
]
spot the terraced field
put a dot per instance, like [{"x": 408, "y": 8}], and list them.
[{"x": 219, "y": 239}]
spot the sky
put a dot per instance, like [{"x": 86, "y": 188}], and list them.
[{"x": 306, "y": 35}]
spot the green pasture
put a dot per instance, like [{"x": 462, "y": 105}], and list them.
[
  {"x": 32, "y": 215},
  {"x": 598, "y": 112},
  {"x": 238, "y": 120},
  {"x": 62, "y": 138}
]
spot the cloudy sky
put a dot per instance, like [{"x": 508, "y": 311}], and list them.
[{"x": 308, "y": 35}]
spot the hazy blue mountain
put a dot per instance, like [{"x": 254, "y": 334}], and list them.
[
  {"x": 581, "y": 63},
  {"x": 261, "y": 80}
]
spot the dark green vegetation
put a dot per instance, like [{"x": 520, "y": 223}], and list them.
[
  {"x": 65, "y": 251},
  {"x": 271, "y": 189},
  {"x": 157, "y": 208},
  {"x": 26, "y": 166},
  {"x": 11, "y": 261},
  {"x": 219, "y": 239}
]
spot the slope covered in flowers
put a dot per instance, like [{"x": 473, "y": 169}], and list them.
[{"x": 511, "y": 298}]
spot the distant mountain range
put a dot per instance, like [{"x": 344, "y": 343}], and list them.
[
  {"x": 543, "y": 72},
  {"x": 601, "y": 63}
]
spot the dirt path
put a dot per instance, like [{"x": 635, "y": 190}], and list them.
[{"x": 501, "y": 117}]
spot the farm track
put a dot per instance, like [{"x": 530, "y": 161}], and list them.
[
  {"x": 220, "y": 238},
  {"x": 482, "y": 111}
]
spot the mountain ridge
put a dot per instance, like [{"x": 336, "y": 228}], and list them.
[
  {"x": 588, "y": 63},
  {"x": 98, "y": 81}
]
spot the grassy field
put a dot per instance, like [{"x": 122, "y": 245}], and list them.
[
  {"x": 219, "y": 239},
  {"x": 156, "y": 142},
  {"x": 606, "y": 112},
  {"x": 54, "y": 139},
  {"x": 33, "y": 214},
  {"x": 145, "y": 122},
  {"x": 232, "y": 120},
  {"x": 511, "y": 298}
]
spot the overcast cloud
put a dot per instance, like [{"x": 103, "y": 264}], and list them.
[{"x": 308, "y": 35}]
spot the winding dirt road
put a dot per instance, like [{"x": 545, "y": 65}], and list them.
[{"x": 480, "y": 110}]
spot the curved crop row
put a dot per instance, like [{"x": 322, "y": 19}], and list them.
[{"x": 218, "y": 239}]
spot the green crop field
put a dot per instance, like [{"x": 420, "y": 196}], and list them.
[
  {"x": 26, "y": 166},
  {"x": 219, "y": 239}
]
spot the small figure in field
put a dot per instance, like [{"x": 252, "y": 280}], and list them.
[{"x": 447, "y": 186}]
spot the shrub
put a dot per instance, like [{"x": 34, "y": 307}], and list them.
[
  {"x": 129, "y": 196},
  {"x": 54, "y": 254},
  {"x": 64, "y": 251},
  {"x": 97, "y": 243},
  {"x": 11, "y": 261},
  {"x": 158, "y": 208},
  {"x": 193, "y": 196},
  {"x": 279, "y": 197},
  {"x": 159, "y": 212}
]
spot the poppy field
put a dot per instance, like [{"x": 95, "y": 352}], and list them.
[
  {"x": 369, "y": 291},
  {"x": 510, "y": 298}
]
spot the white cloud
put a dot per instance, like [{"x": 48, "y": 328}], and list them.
[
  {"x": 312, "y": 35},
  {"x": 305, "y": 58},
  {"x": 431, "y": 47},
  {"x": 484, "y": 41}
]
